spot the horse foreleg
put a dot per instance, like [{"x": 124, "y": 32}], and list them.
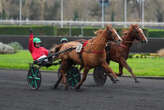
[
  {"x": 84, "y": 76},
  {"x": 81, "y": 67},
  {"x": 124, "y": 64},
  {"x": 110, "y": 72},
  {"x": 120, "y": 70}
]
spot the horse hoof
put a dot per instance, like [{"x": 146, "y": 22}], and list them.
[
  {"x": 136, "y": 81},
  {"x": 54, "y": 87},
  {"x": 114, "y": 81},
  {"x": 118, "y": 74},
  {"x": 66, "y": 88},
  {"x": 77, "y": 87}
]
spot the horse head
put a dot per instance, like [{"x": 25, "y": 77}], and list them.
[
  {"x": 112, "y": 34},
  {"x": 138, "y": 33}
]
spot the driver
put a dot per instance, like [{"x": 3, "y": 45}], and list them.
[
  {"x": 63, "y": 40},
  {"x": 38, "y": 52}
]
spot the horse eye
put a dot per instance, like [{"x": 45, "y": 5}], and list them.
[{"x": 135, "y": 31}]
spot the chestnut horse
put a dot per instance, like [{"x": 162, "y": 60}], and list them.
[
  {"x": 119, "y": 53},
  {"x": 93, "y": 54}
]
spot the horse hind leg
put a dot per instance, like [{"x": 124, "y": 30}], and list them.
[
  {"x": 64, "y": 67},
  {"x": 58, "y": 82},
  {"x": 84, "y": 76},
  {"x": 124, "y": 63}
]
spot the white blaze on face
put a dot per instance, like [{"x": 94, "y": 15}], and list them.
[
  {"x": 118, "y": 35},
  {"x": 143, "y": 34}
]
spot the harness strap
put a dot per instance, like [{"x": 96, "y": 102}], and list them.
[
  {"x": 124, "y": 46},
  {"x": 80, "y": 54}
]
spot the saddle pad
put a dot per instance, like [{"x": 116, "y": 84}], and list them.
[{"x": 79, "y": 48}]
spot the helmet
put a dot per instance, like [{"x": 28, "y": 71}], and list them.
[
  {"x": 37, "y": 40},
  {"x": 63, "y": 40}
]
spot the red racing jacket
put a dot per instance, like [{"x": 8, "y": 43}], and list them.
[{"x": 36, "y": 52}]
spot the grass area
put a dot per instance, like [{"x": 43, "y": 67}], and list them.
[
  {"x": 140, "y": 66},
  {"x": 20, "y": 60},
  {"x": 144, "y": 66}
]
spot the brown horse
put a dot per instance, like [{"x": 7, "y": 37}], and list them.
[
  {"x": 119, "y": 53},
  {"x": 93, "y": 54}
]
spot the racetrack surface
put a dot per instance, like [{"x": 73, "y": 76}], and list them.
[{"x": 124, "y": 95}]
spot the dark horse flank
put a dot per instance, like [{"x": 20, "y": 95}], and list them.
[
  {"x": 119, "y": 53},
  {"x": 93, "y": 54}
]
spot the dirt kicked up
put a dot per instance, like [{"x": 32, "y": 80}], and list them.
[{"x": 124, "y": 95}]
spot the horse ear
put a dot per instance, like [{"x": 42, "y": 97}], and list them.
[
  {"x": 95, "y": 32},
  {"x": 109, "y": 26},
  {"x": 132, "y": 26},
  {"x": 136, "y": 25}
]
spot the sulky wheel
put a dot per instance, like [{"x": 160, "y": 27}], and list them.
[
  {"x": 99, "y": 76},
  {"x": 34, "y": 77},
  {"x": 73, "y": 76}
]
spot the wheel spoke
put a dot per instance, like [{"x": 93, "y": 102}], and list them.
[
  {"x": 31, "y": 84},
  {"x": 30, "y": 77},
  {"x": 37, "y": 78},
  {"x": 35, "y": 83}
]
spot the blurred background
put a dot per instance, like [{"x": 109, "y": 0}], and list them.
[
  {"x": 82, "y": 10},
  {"x": 53, "y": 19}
]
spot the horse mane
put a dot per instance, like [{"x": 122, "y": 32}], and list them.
[
  {"x": 98, "y": 31},
  {"x": 133, "y": 26}
]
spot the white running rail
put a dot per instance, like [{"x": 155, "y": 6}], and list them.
[{"x": 78, "y": 23}]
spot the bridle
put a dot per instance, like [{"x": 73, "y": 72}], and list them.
[
  {"x": 137, "y": 34},
  {"x": 109, "y": 32}
]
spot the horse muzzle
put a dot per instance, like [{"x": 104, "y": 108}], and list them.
[{"x": 145, "y": 41}]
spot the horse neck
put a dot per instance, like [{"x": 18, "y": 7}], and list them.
[
  {"x": 128, "y": 40},
  {"x": 100, "y": 41}
]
